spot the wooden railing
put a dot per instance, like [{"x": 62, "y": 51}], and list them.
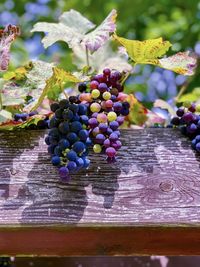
[{"x": 148, "y": 202}]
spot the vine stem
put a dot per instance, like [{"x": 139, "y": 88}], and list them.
[
  {"x": 87, "y": 56},
  {"x": 181, "y": 92},
  {"x": 127, "y": 74}
]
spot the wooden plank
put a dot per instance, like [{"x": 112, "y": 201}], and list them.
[{"x": 146, "y": 203}]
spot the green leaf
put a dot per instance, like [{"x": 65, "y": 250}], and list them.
[
  {"x": 18, "y": 74},
  {"x": 150, "y": 51},
  {"x": 73, "y": 29},
  {"x": 5, "y": 116},
  {"x": 192, "y": 97},
  {"x": 13, "y": 125},
  {"x": 144, "y": 52},
  {"x": 55, "y": 83}
]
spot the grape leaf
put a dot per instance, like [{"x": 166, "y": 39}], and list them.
[
  {"x": 150, "y": 51},
  {"x": 5, "y": 116},
  {"x": 181, "y": 63},
  {"x": 95, "y": 39},
  {"x": 7, "y": 36},
  {"x": 55, "y": 82},
  {"x": 138, "y": 113},
  {"x": 159, "y": 103},
  {"x": 18, "y": 74},
  {"x": 144, "y": 52},
  {"x": 16, "y": 125},
  {"x": 73, "y": 28},
  {"x": 105, "y": 57},
  {"x": 192, "y": 97},
  {"x": 32, "y": 82}
]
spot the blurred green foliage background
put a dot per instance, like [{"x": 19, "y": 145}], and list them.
[{"x": 175, "y": 20}]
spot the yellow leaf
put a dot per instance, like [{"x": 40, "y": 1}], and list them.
[
  {"x": 57, "y": 80},
  {"x": 181, "y": 63},
  {"x": 145, "y": 52}
]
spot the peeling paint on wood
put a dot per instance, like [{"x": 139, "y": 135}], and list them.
[{"x": 154, "y": 183}]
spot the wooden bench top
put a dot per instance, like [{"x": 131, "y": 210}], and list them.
[{"x": 148, "y": 202}]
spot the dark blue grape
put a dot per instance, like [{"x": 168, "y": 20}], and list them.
[
  {"x": 72, "y": 137},
  {"x": 82, "y": 87},
  {"x": 64, "y": 143},
  {"x": 58, "y": 151},
  {"x": 58, "y": 113},
  {"x": 47, "y": 140},
  {"x": 79, "y": 147},
  {"x": 83, "y": 135},
  {"x": 84, "y": 119},
  {"x": 54, "y": 107},
  {"x": 82, "y": 109},
  {"x": 67, "y": 115},
  {"x": 75, "y": 126},
  {"x": 71, "y": 155},
  {"x": 64, "y": 103},
  {"x": 74, "y": 108},
  {"x": 55, "y": 160},
  {"x": 64, "y": 127},
  {"x": 71, "y": 166}
]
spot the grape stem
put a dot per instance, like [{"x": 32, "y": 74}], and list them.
[
  {"x": 182, "y": 90},
  {"x": 127, "y": 75}
]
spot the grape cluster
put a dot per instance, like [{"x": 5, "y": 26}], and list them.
[
  {"x": 68, "y": 139},
  {"x": 188, "y": 120},
  {"x": 107, "y": 107}
]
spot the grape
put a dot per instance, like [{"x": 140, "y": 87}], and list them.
[
  {"x": 94, "y": 85},
  {"x": 101, "y": 117},
  {"x": 103, "y": 87},
  {"x": 83, "y": 135},
  {"x": 114, "y": 125},
  {"x": 93, "y": 122},
  {"x": 97, "y": 148},
  {"x": 73, "y": 99},
  {"x": 64, "y": 143},
  {"x": 103, "y": 127},
  {"x": 79, "y": 147},
  {"x": 64, "y": 127},
  {"x": 71, "y": 166},
  {"x": 64, "y": 103},
  {"x": 100, "y": 138},
  {"x": 110, "y": 152},
  {"x": 106, "y": 103},
  {"x": 82, "y": 87},
  {"x": 75, "y": 126},
  {"x": 68, "y": 138},
  {"x": 113, "y": 137},
  {"x": 198, "y": 147},
  {"x": 106, "y": 95},
  {"x": 63, "y": 172},
  {"x": 55, "y": 160},
  {"x": 112, "y": 116},
  {"x": 72, "y": 137},
  {"x": 95, "y": 93},
  {"x": 106, "y": 72},
  {"x": 188, "y": 122},
  {"x": 95, "y": 107}
]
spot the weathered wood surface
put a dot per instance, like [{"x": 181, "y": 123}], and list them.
[{"x": 148, "y": 202}]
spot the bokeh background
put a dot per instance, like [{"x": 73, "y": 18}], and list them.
[{"x": 175, "y": 20}]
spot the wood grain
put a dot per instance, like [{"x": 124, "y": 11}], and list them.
[{"x": 148, "y": 202}]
